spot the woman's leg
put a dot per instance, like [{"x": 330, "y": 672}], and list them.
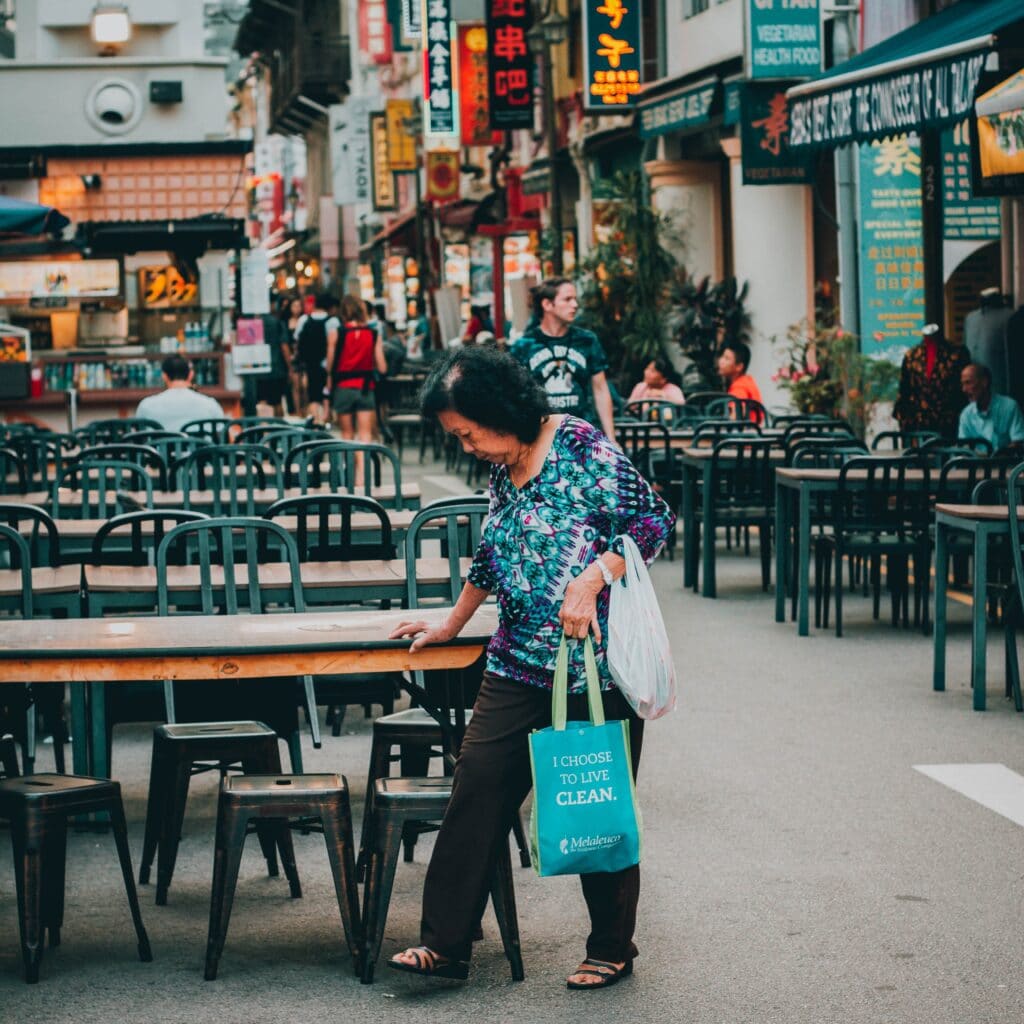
[
  {"x": 366, "y": 426},
  {"x": 612, "y": 896},
  {"x": 492, "y": 778}
]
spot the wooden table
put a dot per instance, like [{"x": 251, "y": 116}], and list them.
[
  {"x": 696, "y": 466},
  {"x": 801, "y": 485},
  {"x": 84, "y": 651},
  {"x": 981, "y": 523}
]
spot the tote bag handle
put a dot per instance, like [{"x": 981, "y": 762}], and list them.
[{"x": 560, "y": 686}]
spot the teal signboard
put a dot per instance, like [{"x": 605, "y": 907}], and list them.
[
  {"x": 678, "y": 111},
  {"x": 764, "y": 134},
  {"x": 891, "y": 247},
  {"x": 612, "y": 56},
  {"x": 964, "y": 218},
  {"x": 783, "y": 38}
]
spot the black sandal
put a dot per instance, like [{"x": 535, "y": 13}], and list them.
[
  {"x": 431, "y": 965},
  {"x": 610, "y": 976}
]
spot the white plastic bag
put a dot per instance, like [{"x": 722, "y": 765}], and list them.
[{"x": 639, "y": 657}]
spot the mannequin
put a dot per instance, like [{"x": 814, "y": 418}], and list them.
[
  {"x": 985, "y": 337},
  {"x": 930, "y": 397}
]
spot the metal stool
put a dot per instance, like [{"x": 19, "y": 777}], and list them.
[
  {"x": 183, "y": 750},
  {"x": 418, "y": 737},
  {"x": 399, "y": 803},
  {"x": 274, "y": 800},
  {"x": 38, "y": 806}
]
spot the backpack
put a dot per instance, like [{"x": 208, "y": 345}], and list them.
[{"x": 311, "y": 346}]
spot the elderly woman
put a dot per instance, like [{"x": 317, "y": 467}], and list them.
[{"x": 562, "y": 497}]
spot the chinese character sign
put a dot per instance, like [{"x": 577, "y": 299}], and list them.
[
  {"x": 963, "y": 216},
  {"x": 611, "y": 54},
  {"x": 783, "y": 38},
  {"x": 440, "y": 95},
  {"x": 764, "y": 131},
  {"x": 400, "y": 116},
  {"x": 375, "y": 31},
  {"x": 891, "y": 247},
  {"x": 385, "y": 196},
  {"x": 509, "y": 64},
  {"x": 474, "y": 113}
]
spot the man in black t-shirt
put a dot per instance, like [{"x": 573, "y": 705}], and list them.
[{"x": 566, "y": 360}]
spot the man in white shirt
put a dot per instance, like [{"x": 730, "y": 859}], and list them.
[{"x": 178, "y": 404}]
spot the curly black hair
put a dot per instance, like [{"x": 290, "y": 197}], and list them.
[{"x": 488, "y": 387}]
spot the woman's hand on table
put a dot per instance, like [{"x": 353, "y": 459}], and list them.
[
  {"x": 578, "y": 615},
  {"x": 424, "y": 633}
]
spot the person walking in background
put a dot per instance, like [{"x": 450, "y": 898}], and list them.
[
  {"x": 930, "y": 395},
  {"x": 657, "y": 384},
  {"x": 313, "y": 334},
  {"x": 565, "y": 359},
  {"x": 995, "y": 418},
  {"x": 291, "y": 312},
  {"x": 178, "y": 403},
  {"x": 271, "y": 388},
  {"x": 355, "y": 356},
  {"x": 562, "y": 498},
  {"x": 479, "y": 321}
]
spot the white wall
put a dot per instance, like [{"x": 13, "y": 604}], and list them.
[{"x": 713, "y": 36}]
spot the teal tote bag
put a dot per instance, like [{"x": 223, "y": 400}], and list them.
[{"x": 585, "y": 814}]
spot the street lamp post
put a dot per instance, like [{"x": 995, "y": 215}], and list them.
[{"x": 551, "y": 29}]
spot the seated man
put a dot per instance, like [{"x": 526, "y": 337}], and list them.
[
  {"x": 996, "y": 418},
  {"x": 178, "y": 404},
  {"x": 733, "y": 360}
]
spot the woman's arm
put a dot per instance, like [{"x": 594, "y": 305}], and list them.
[
  {"x": 469, "y": 601},
  {"x": 378, "y": 355}
]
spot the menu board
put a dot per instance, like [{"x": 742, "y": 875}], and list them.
[{"x": 72, "y": 279}]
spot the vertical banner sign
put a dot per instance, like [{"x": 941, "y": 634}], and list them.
[
  {"x": 611, "y": 55},
  {"x": 891, "y": 247},
  {"x": 350, "y": 151},
  {"x": 474, "y": 109},
  {"x": 509, "y": 64},
  {"x": 440, "y": 96},
  {"x": 375, "y": 31},
  {"x": 764, "y": 132},
  {"x": 399, "y": 115},
  {"x": 964, "y": 217},
  {"x": 404, "y": 18},
  {"x": 783, "y": 38},
  {"x": 443, "y": 175},
  {"x": 385, "y": 195}
]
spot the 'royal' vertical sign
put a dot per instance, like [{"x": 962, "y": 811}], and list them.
[
  {"x": 509, "y": 64},
  {"x": 611, "y": 55},
  {"x": 350, "y": 151},
  {"x": 440, "y": 93}
]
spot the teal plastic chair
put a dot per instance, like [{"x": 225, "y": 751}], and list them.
[
  {"x": 213, "y": 430},
  {"x": 1013, "y": 613},
  {"x": 13, "y": 476},
  {"x": 335, "y": 464},
  {"x": 230, "y": 544},
  {"x": 172, "y": 446},
  {"x": 230, "y": 473},
  {"x": 106, "y": 431},
  {"x": 98, "y": 488},
  {"x": 44, "y": 456}
]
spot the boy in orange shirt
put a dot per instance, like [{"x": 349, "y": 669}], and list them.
[{"x": 733, "y": 360}]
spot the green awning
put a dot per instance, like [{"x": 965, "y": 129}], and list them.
[
  {"x": 684, "y": 109},
  {"x": 923, "y": 77}
]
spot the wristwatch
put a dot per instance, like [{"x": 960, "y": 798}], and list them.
[{"x": 606, "y": 573}]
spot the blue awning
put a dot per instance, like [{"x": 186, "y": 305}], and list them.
[
  {"x": 923, "y": 77},
  {"x": 21, "y": 218}
]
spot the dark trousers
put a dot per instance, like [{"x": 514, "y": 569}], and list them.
[{"x": 492, "y": 778}]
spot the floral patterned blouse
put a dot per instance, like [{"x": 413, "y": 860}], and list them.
[
  {"x": 539, "y": 537},
  {"x": 931, "y": 402}
]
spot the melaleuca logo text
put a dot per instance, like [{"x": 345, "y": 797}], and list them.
[{"x": 574, "y": 844}]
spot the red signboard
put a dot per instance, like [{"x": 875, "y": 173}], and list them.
[
  {"x": 475, "y": 113},
  {"x": 443, "y": 175},
  {"x": 509, "y": 64},
  {"x": 375, "y": 31}
]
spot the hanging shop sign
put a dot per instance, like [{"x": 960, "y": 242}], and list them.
[
  {"x": 385, "y": 196},
  {"x": 891, "y": 247},
  {"x": 731, "y": 95},
  {"x": 764, "y": 135},
  {"x": 683, "y": 110},
  {"x": 936, "y": 95},
  {"x": 611, "y": 55},
  {"x": 440, "y": 95},
  {"x": 66, "y": 279},
  {"x": 998, "y": 157},
  {"x": 375, "y": 31},
  {"x": 509, "y": 64},
  {"x": 783, "y": 39},
  {"x": 349, "y": 124},
  {"x": 474, "y": 114},
  {"x": 964, "y": 217},
  {"x": 399, "y": 115},
  {"x": 404, "y": 19},
  {"x": 443, "y": 175},
  {"x": 164, "y": 287}
]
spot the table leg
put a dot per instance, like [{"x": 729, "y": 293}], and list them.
[
  {"x": 941, "y": 584},
  {"x": 80, "y": 759},
  {"x": 802, "y": 581},
  {"x": 689, "y": 526},
  {"x": 98, "y": 708},
  {"x": 708, "y": 535},
  {"x": 781, "y": 550},
  {"x": 979, "y": 619}
]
